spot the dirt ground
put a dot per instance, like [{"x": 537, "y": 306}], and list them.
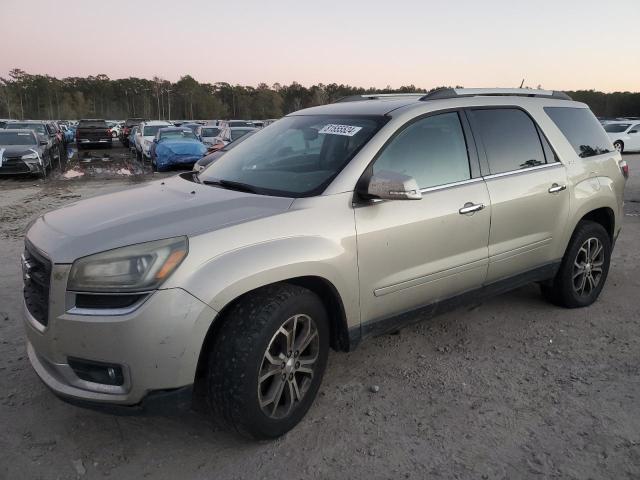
[{"x": 507, "y": 389}]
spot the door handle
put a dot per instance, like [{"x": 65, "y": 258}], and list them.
[
  {"x": 471, "y": 208},
  {"x": 555, "y": 188}
]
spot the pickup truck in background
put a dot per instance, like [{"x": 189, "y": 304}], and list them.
[
  {"x": 125, "y": 131},
  {"x": 93, "y": 132}
]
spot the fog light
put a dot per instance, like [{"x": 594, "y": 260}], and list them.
[{"x": 97, "y": 372}]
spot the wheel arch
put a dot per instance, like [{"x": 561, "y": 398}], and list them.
[{"x": 326, "y": 291}]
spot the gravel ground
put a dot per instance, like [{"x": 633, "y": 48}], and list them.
[{"x": 509, "y": 388}]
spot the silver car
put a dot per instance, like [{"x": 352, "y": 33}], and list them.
[{"x": 334, "y": 224}]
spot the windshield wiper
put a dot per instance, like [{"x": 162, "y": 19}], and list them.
[{"x": 231, "y": 185}]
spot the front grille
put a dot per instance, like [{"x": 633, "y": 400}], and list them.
[
  {"x": 14, "y": 165},
  {"x": 36, "y": 271}
]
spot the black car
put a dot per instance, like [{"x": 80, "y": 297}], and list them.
[
  {"x": 45, "y": 133},
  {"x": 21, "y": 151}
]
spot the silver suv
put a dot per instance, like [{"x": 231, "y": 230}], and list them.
[{"x": 333, "y": 224}]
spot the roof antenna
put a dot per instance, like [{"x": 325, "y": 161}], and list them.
[{"x": 522, "y": 83}]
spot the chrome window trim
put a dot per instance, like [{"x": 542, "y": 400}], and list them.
[
  {"x": 451, "y": 185},
  {"x": 523, "y": 170}
]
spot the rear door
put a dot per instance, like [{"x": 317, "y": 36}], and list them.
[
  {"x": 527, "y": 187},
  {"x": 413, "y": 253}
]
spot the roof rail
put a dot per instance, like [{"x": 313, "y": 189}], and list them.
[
  {"x": 443, "y": 93},
  {"x": 379, "y": 96}
]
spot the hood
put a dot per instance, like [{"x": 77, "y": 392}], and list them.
[
  {"x": 184, "y": 147},
  {"x": 153, "y": 211},
  {"x": 19, "y": 150}
]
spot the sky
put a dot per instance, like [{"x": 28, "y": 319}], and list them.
[{"x": 561, "y": 44}]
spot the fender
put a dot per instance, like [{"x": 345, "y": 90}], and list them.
[
  {"x": 589, "y": 195},
  {"x": 224, "y": 278}
]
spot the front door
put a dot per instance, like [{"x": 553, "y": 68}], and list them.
[{"x": 413, "y": 253}]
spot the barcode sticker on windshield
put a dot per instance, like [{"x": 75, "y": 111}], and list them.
[{"x": 346, "y": 130}]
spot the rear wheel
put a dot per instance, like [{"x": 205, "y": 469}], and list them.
[
  {"x": 619, "y": 146},
  {"x": 268, "y": 360},
  {"x": 584, "y": 268}
]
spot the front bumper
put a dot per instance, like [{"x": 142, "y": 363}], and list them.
[
  {"x": 17, "y": 166},
  {"x": 157, "y": 346}
]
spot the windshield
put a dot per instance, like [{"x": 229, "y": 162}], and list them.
[
  {"x": 177, "y": 134},
  {"x": 297, "y": 156},
  {"x": 152, "y": 130},
  {"x": 9, "y": 137},
  {"x": 38, "y": 127},
  {"x": 236, "y": 133},
  {"x": 210, "y": 132},
  {"x": 616, "y": 127}
]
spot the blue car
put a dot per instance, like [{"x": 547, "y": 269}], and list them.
[{"x": 175, "y": 147}]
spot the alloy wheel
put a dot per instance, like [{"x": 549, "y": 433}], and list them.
[
  {"x": 587, "y": 267},
  {"x": 288, "y": 366}
]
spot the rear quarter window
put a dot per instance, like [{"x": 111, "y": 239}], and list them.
[{"x": 582, "y": 129}]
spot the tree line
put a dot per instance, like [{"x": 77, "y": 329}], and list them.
[{"x": 24, "y": 95}]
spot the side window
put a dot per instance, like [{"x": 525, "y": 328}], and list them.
[
  {"x": 636, "y": 128},
  {"x": 582, "y": 130},
  {"x": 431, "y": 150},
  {"x": 510, "y": 139}
]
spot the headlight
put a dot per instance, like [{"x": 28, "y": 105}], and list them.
[
  {"x": 30, "y": 156},
  {"x": 136, "y": 268}
]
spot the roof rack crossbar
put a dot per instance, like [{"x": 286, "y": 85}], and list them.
[{"x": 444, "y": 93}]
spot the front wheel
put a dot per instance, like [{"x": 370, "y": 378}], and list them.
[
  {"x": 584, "y": 268},
  {"x": 268, "y": 360}
]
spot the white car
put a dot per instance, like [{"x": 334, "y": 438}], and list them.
[
  {"x": 145, "y": 135},
  {"x": 624, "y": 134},
  {"x": 230, "y": 134},
  {"x": 208, "y": 134},
  {"x": 114, "y": 127}
]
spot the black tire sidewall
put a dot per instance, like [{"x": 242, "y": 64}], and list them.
[{"x": 250, "y": 419}]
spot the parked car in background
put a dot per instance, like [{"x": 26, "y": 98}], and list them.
[
  {"x": 195, "y": 127},
  {"x": 44, "y": 132},
  {"x": 230, "y": 134},
  {"x": 238, "y": 123},
  {"x": 131, "y": 140},
  {"x": 23, "y": 152},
  {"x": 175, "y": 147},
  {"x": 145, "y": 135},
  {"x": 93, "y": 132},
  {"x": 208, "y": 134},
  {"x": 207, "y": 160},
  {"x": 3, "y": 122},
  {"x": 625, "y": 135},
  {"x": 114, "y": 127},
  {"x": 125, "y": 132}
]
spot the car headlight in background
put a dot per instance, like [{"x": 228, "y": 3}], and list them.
[{"x": 136, "y": 268}]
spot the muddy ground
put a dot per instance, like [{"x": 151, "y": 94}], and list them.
[{"x": 510, "y": 388}]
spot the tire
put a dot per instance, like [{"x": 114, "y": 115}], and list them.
[
  {"x": 154, "y": 166},
  {"x": 252, "y": 332},
  {"x": 568, "y": 289},
  {"x": 619, "y": 146}
]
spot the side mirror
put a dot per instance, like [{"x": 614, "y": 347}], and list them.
[
  {"x": 393, "y": 186},
  {"x": 633, "y": 131}
]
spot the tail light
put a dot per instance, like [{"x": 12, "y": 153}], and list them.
[{"x": 624, "y": 168}]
